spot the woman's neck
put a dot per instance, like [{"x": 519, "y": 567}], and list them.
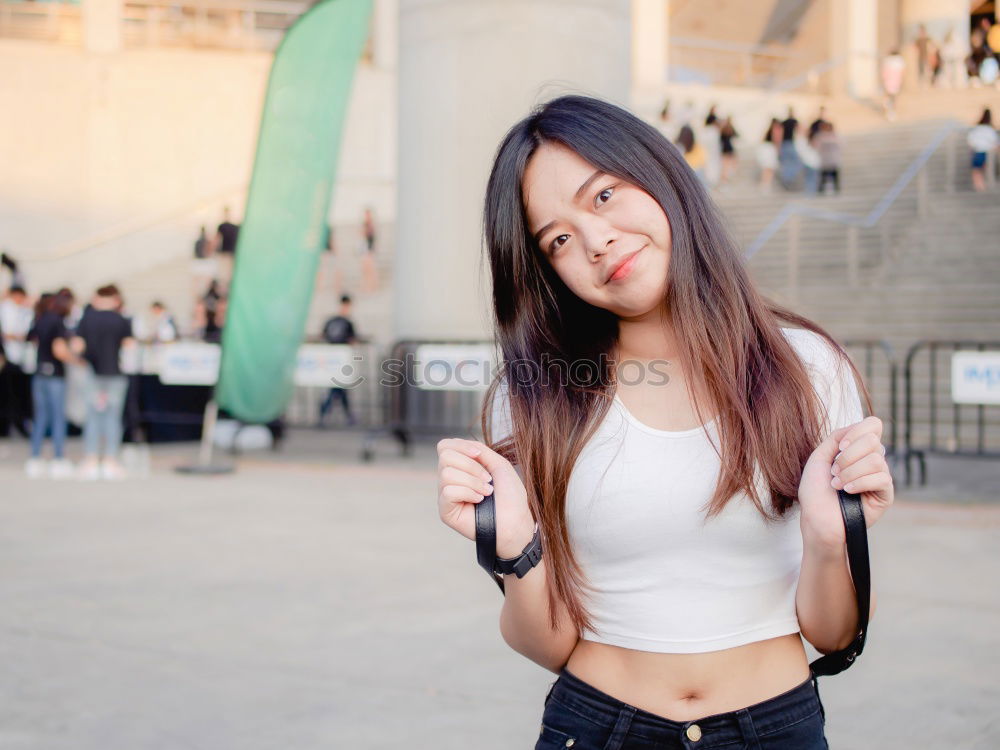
[{"x": 646, "y": 338}]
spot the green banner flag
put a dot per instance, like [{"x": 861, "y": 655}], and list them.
[{"x": 282, "y": 234}]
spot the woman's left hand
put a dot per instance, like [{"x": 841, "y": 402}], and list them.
[{"x": 859, "y": 468}]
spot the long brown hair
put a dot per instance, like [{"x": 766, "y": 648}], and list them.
[{"x": 730, "y": 340}]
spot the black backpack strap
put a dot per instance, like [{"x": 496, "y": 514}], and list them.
[
  {"x": 857, "y": 556},
  {"x": 486, "y": 538}
]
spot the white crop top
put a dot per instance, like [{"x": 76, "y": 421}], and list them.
[{"x": 663, "y": 578}]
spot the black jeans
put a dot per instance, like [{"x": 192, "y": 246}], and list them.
[{"x": 579, "y": 716}]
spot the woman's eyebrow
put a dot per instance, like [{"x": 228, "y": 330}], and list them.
[
  {"x": 543, "y": 230},
  {"x": 583, "y": 188},
  {"x": 579, "y": 191}
]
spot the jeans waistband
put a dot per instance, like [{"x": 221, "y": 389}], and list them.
[{"x": 767, "y": 716}]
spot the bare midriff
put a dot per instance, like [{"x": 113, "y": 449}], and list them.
[{"x": 684, "y": 687}]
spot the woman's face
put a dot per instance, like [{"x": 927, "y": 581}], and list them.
[{"x": 608, "y": 240}]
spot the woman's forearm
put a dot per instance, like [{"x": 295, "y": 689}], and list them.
[
  {"x": 525, "y": 625},
  {"x": 825, "y": 601}
]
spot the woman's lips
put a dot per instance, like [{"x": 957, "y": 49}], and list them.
[{"x": 625, "y": 268}]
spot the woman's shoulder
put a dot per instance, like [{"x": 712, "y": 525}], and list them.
[
  {"x": 814, "y": 350},
  {"x": 831, "y": 375}
]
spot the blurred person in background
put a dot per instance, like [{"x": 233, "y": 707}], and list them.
[
  {"x": 827, "y": 144},
  {"x": 978, "y": 52},
  {"x": 923, "y": 45},
  {"x": 712, "y": 139},
  {"x": 158, "y": 327},
  {"x": 727, "y": 135},
  {"x": 16, "y": 314},
  {"x": 936, "y": 63},
  {"x": 224, "y": 244},
  {"x": 75, "y": 310},
  {"x": 817, "y": 124},
  {"x": 892, "y": 70},
  {"x": 767, "y": 155},
  {"x": 207, "y": 323},
  {"x": 951, "y": 53},
  {"x": 992, "y": 37},
  {"x": 810, "y": 161},
  {"x": 692, "y": 151},
  {"x": 102, "y": 333},
  {"x": 368, "y": 228},
  {"x": 664, "y": 124},
  {"x": 789, "y": 161},
  {"x": 982, "y": 139},
  {"x": 48, "y": 385},
  {"x": 338, "y": 330},
  {"x": 202, "y": 246},
  {"x": 16, "y": 274},
  {"x": 369, "y": 271}
]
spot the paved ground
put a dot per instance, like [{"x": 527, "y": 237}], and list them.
[{"x": 308, "y": 601}]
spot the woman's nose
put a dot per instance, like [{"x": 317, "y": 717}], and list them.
[{"x": 599, "y": 238}]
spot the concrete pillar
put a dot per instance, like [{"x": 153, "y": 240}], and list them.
[
  {"x": 854, "y": 39},
  {"x": 650, "y": 44},
  {"x": 467, "y": 72},
  {"x": 102, "y": 25},
  {"x": 385, "y": 33}
]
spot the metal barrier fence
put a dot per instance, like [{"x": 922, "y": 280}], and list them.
[
  {"x": 425, "y": 390},
  {"x": 362, "y": 400},
  {"x": 880, "y": 349},
  {"x": 968, "y": 381}
]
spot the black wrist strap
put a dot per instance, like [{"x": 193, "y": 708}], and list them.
[{"x": 857, "y": 555}]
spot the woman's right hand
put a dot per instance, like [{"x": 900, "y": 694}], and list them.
[{"x": 465, "y": 468}]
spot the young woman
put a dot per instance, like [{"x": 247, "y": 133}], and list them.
[
  {"x": 767, "y": 154},
  {"x": 982, "y": 140},
  {"x": 677, "y": 447},
  {"x": 726, "y": 137},
  {"x": 48, "y": 385}
]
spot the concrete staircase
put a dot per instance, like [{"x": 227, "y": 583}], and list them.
[{"x": 925, "y": 276}]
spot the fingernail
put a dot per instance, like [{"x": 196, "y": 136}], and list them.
[
  {"x": 835, "y": 483},
  {"x": 849, "y": 488},
  {"x": 835, "y": 469},
  {"x": 843, "y": 444}
]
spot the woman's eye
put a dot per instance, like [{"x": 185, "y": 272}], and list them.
[
  {"x": 604, "y": 196},
  {"x": 559, "y": 241}
]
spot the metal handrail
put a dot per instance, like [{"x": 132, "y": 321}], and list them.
[
  {"x": 722, "y": 46},
  {"x": 131, "y": 227},
  {"x": 872, "y": 217}
]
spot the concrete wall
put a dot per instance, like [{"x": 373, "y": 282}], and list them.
[{"x": 112, "y": 161}]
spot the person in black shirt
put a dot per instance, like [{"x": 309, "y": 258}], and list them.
[
  {"x": 102, "y": 333},
  {"x": 226, "y": 236},
  {"x": 48, "y": 384},
  {"x": 338, "y": 330}
]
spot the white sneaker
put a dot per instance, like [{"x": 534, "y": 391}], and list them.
[
  {"x": 111, "y": 469},
  {"x": 89, "y": 470},
  {"x": 35, "y": 468},
  {"x": 61, "y": 468}
]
